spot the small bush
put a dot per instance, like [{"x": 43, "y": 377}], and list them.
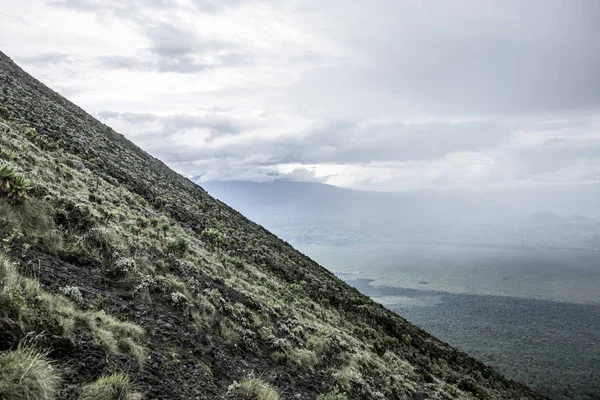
[
  {"x": 74, "y": 218},
  {"x": 113, "y": 387},
  {"x": 468, "y": 384},
  {"x": 99, "y": 242},
  {"x": 251, "y": 389},
  {"x": 178, "y": 247},
  {"x": 13, "y": 185},
  {"x": 124, "y": 266},
  {"x": 72, "y": 292},
  {"x": 8, "y": 155},
  {"x": 385, "y": 344},
  {"x": 160, "y": 202},
  {"x": 8, "y": 274},
  {"x": 213, "y": 236},
  {"x": 26, "y": 374},
  {"x": 180, "y": 300}
]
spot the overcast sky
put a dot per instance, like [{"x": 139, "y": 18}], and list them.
[{"x": 382, "y": 94}]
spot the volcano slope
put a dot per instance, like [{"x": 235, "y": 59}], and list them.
[{"x": 122, "y": 279}]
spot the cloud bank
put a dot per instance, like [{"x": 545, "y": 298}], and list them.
[{"x": 384, "y": 95}]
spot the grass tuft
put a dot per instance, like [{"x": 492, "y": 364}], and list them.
[
  {"x": 252, "y": 388},
  {"x": 112, "y": 387},
  {"x": 25, "y": 374}
]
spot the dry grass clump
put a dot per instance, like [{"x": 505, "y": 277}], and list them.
[
  {"x": 252, "y": 388},
  {"x": 112, "y": 387},
  {"x": 26, "y": 374}
]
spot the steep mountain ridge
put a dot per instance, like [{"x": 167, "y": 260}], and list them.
[{"x": 141, "y": 272}]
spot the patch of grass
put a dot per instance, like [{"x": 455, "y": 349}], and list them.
[
  {"x": 206, "y": 368},
  {"x": 34, "y": 309},
  {"x": 26, "y": 374},
  {"x": 32, "y": 220},
  {"x": 204, "y": 313},
  {"x": 333, "y": 395},
  {"x": 252, "y": 388},
  {"x": 112, "y": 387},
  {"x": 228, "y": 330},
  {"x": 303, "y": 357},
  {"x": 347, "y": 376},
  {"x": 120, "y": 336},
  {"x": 100, "y": 243}
]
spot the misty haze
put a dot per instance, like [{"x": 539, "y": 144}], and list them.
[
  {"x": 510, "y": 275},
  {"x": 294, "y": 199}
]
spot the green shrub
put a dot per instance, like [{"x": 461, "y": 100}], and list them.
[
  {"x": 251, "y": 389},
  {"x": 8, "y": 155},
  {"x": 13, "y": 185},
  {"x": 99, "y": 242},
  {"x": 178, "y": 247},
  {"x": 160, "y": 202},
  {"x": 213, "y": 236},
  {"x": 468, "y": 384},
  {"x": 113, "y": 387},
  {"x": 74, "y": 218},
  {"x": 25, "y": 374},
  {"x": 333, "y": 395},
  {"x": 237, "y": 262},
  {"x": 385, "y": 344}
]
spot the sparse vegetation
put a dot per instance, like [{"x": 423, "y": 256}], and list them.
[{"x": 23, "y": 301}]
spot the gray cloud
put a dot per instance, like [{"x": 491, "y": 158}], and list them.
[
  {"x": 226, "y": 171},
  {"x": 327, "y": 141},
  {"x": 465, "y": 58},
  {"x": 185, "y": 64},
  {"x": 172, "y": 48},
  {"x": 555, "y": 154},
  {"x": 46, "y": 59},
  {"x": 122, "y": 62},
  {"x": 339, "y": 141},
  {"x": 169, "y": 125},
  {"x": 176, "y": 50},
  {"x": 121, "y": 8},
  {"x": 339, "y": 82},
  {"x": 493, "y": 150},
  {"x": 118, "y": 7}
]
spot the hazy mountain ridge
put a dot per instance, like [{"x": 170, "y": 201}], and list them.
[
  {"x": 116, "y": 264},
  {"x": 298, "y": 211}
]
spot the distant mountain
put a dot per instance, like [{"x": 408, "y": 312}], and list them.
[{"x": 315, "y": 212}]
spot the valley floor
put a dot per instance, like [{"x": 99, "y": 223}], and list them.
[{"x": 552, "y": 346}]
